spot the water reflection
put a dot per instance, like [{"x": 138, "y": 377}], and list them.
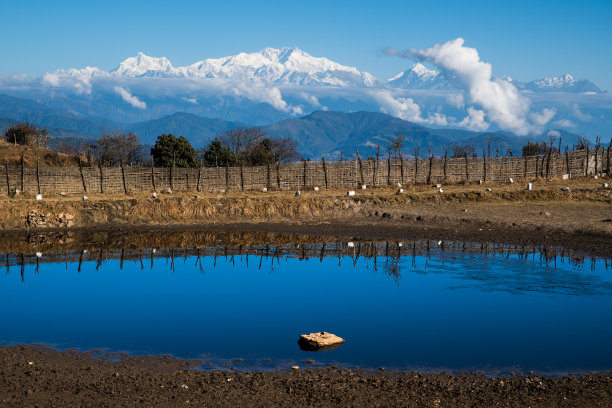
[{"x": 474, "y": 265}]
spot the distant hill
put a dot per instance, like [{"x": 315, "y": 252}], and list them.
[{"x": 197, "y": 129}]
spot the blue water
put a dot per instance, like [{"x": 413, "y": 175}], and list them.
[{"x": 447, "y": 310}]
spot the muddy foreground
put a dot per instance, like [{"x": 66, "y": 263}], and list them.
[{"x": 31, "y": 376}]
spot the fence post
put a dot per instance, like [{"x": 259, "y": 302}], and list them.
[
  {"x": 241, "y": 178},
  {"x": 304, "y": 178},
  {"x": 416, "y": 164},
  {"x": 568, "y": 169},
  {"x": 430, "y": 167},
  {"x": 324, "y": 171},
  {"x": 401, "y": 167},
  {"x": 586, "y": 162},
  {"x": 199, "y": 177},
  {"x": 101, "y": 178},
  {"x": 484, "y": 166},
  {"x": 22, "y": 173},
  {"x": 226, "y": 176},
  {"x": 153, "y": 175},
  {"x": 596, "y": 153},
  {"x": 389, "y": 168},
  {"x": 8, "y": 182},
  {"x": 268, "y": 178},
  {"x": 37, "y": 178},
  {"x": 445, "y": 163},
  {"x": 525, "y": 170},
  {"x": 125, "y": 189},
  {"x": 172, "y": 171},
  {"x": 278, "y": 181},
  {"x": 376, "y": 166},
  {"x": 467, "y": 171},
  {"x": 360, "y": 166},
  {"x": 608, "y": 165},
  {"x": 82, "y": 175}
]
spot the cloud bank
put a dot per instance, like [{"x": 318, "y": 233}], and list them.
[{"x": 500, "y": 100}]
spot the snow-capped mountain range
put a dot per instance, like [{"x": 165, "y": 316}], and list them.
[
  {"x": 292, "y": 66},
  {"x": 279, "y": 66},
  {"x": 420, "y": 77}
]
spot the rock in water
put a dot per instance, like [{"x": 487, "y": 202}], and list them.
[{"x": 319, "y": 341}]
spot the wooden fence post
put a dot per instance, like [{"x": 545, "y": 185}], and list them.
[
  {"x": 8, "y": 182},
  {"x": 101, "y": 178},
  {"x": 199, "y": 177},
  {"x": 596, "y": 153},
  {"x": 278, "y": 180},
  {"x": 172, "y": 170},
  {"x": 389, "y": 168},
  {"x": 484, "y": 166},
  {"x": 153, "y": 175},
  {"x": 360, "y": 167},
  {"x": 22, "y": 174},
  {"x": 401, "y": 167},
  {"x": 37, "y": 178},
  {"x": 269, "y": 178},
  {"x": 586, "y": 162},
  {"x": 445, "y": 161},
  {"x": 430, "y": 168},
  {"x": 324, "y": 171},
  {"x": 304, "y": 178},
  {"x": 525, "y": 169},
  {"x": 241, "y": 178},
  {"x": 608, "y": 165},
  {"x": 125, "y": 189},
  {"x": 568, "y": 169},
  {"x": 376, "y": 166},
  {"x": 226, "y": 176},
  {"x": 416, "y": 164},
  {"x": 467, "y": 171},
  {"x": 82, "y": 176}
]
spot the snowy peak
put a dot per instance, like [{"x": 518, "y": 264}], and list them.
[
  {"x": 564, "y": 83},
  {"x": 143, "y": 65},
  {"x": 419, "y": 77}
]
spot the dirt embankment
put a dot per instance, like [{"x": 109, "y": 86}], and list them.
[
  {"x": 579, "y": 218},
  {"x": 31, "y": 376}
]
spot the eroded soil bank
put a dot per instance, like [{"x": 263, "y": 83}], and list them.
[{"x": 31, "y": 376}]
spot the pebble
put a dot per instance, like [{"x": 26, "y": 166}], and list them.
[
  {"x": 489, "y": 189},
  {"x": 363, "y": 187},
  {"x": 298, "y": 193},
  {"x": 351, "y": 193},
  {"x": 400, "y": 191},
  {"x": 38, "y": 197}
]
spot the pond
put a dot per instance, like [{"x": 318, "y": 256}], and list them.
[{"x": 428, "y": 305}]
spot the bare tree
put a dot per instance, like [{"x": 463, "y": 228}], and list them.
[
  {"x": 241, "y": 141},
  {"x": 397, "y": 144},
  {"x": 116, "y": 148}
]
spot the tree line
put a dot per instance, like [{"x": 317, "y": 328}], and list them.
[{"x": 249, "y": 146}]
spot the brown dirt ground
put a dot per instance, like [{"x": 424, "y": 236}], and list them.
[{"x": 32, "y": 376}]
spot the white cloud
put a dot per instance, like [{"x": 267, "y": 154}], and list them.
[
  {"x": 191, "y": 100},
  {"x": 313, "y": 100},
  {"x": 406, "y": 108},
  {"x": 259, "y": 91},
  {"x": 83, "y": 84},
  {"x": 554, "y": 133},
  {"x": 51, "y": 79},
  {"x": 566, "y": 123},
  {"x": 542, "y": 118},
  {"x": 583, "y": 117},
  {"x": 475, "y": 120},
  {"x": 499, "y": 98},
  {"x": 129, "y": 98},
  {"x": 456, "y": 100}
]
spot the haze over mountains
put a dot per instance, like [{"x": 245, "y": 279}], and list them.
[{"x": 289, "y": 91}]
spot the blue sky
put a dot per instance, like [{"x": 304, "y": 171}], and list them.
[{"x": 522, "y": 39}]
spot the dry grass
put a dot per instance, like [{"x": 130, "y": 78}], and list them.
[{"x": 11, "y": 154}]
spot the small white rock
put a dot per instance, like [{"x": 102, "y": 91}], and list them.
[
  {"x": 298, "y": 193},
  {"x": 565, "y": 177},
  {"x": 315, "y": 189},
  {"x": 489, "y": 189},
  {"x": 510, "y": 180},
  {"x": 350, "y": 245},
  {"x": 399, "y": 185},
  {"x": 596, "y": 177},
  {"x": 63, "y": 194},
  {"x": 154, "y": 194},
  {"x": 400, "y": 244},
  {"x": 565, "y": 189},
  {"x": 17, "y": 191},
  {"x": 400, "y": 191},
  {"x": 605, "y": 185},
  {"x": 440, "y": 190},
  {"x": 38, "y": 254},
  {"x": 363, "y": 187},
  {"x": 264, "y": 190},
  {"x": 438, "y": 185},
  {"x": 85, "y": 198},
  {"x": 351, "y": 193},
  {"x": 184, "y": 386},
  {"x": 479, "y": 181},
  {"x": 529, "y": 187},
  {"x": 38, "y": 197}
]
